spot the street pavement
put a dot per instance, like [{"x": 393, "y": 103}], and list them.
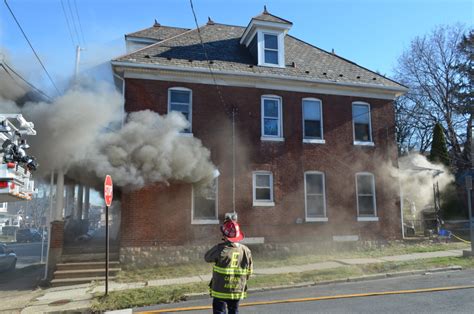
[
  {"x": 28, "y": 253},
  {"x": 450, "y": 301},
  {"x": 79, "y": 297}
]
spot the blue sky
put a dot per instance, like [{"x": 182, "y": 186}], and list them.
[{"x": 372, "y": 33}]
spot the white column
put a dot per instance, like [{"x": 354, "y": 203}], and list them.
[
  {"x": 86, "y": 202},
  {"x": 70, "y": 193},
  {"x": 80, "y": 197}
]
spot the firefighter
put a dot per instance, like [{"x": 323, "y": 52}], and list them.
[{"x": 232, "y": 269}]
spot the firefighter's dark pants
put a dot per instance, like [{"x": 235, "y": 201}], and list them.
[{"x": 218, "y": 306}]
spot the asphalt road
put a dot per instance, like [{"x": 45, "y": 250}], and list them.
[
  {"x": 452, "y": 301},
  {"x": 28, "y": 253}
]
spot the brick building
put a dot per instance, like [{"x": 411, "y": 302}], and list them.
[{"x": 314, "y": 133}]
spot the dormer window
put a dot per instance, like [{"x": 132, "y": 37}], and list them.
[
  {"x": 265, "y": 39},
  {"x": 270, "y": 44}
]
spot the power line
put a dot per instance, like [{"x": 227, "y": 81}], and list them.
[
  {"x": 80, "y": 24},
  {"x": 31, "y": 46},
  {"x": 8, "y": 69},
  {"x": 207, "y": 57},
  {"x": 68, "y": 25},
  {"x": 73, "y": 22}
]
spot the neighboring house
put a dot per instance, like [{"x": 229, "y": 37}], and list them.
[{"x": 314, "y": 133}]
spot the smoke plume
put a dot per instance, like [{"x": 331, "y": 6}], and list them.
[
  {"x": 80, "y": 132},
  {"x": 149, "y": 148},
  {"x": 417, "y": 176}
]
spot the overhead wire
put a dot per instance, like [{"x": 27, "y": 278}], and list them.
[
  {"x": 32, "y": 48},
  {"x": 9, "y": 69},
  {"x": 222, "y": 100},
  {"x": 68, "y": 25},
  {"x": 73, "y": 22},
  {"x": 79, "y": 22}
]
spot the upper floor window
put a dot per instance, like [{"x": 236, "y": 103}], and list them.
[
  {"x": 263, "y": 188},
  {"x": 271, "y": 118},
  {"x": 312, "y": 120},
  {"x": 366, "y": 204},
  {"x": 180, "y": 99},
  {"x": 361, "y": 122},
  {"x": 204, "y": 203},
  {"x": 270, "y": 43},
  {"x": 315, "y": 198}
]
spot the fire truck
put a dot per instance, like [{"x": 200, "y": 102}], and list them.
[{"x": 16, "y": 165}]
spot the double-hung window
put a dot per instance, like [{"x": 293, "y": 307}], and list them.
[
  {"x": 270, "y": 51},
  {"x": 312, "y": 121},
  {"x": 366, "y": 204},
  {"x": 271, "y": 118},
  {"x": 315, "y": 198},
  {"x": 180, "y": 100},
  {"x": 204, "y": 203},
  {"x": 361, "y": 123},
  {"x": 263, "y": 188}
]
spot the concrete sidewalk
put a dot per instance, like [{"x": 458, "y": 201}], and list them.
[{"x": 79, "y": 297}]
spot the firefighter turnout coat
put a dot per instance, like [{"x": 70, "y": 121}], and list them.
[{"x": 233, "y": 266}]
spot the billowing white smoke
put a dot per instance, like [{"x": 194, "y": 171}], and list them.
[
  {"x": 417, "y": 176},
  {"x": 80, "y": 133},
  {"x": 149, "y": 148}
]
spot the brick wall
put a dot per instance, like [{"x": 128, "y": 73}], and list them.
[
  {"x": 57, "y": 234},
  {"x": 161, "y": 214}
]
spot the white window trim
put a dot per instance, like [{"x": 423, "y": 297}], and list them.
[
  {"x": 309, "y": 139},
  {"x": 205, "y": 221},
  {"x": 278, "y": 137},
  {"x": 190, "y": 104},
  {"x": 317, "y": 219},
  {"x": 373, "y": 217},
  {"x": 314, "y": 219},
  {"x": 357, "y": 142},
  {"x": 313, "y": 141},
  {"x": 363, "y": 218},
  {"x": 261, "y": 48},
  {"x": 256, "y": 202}
]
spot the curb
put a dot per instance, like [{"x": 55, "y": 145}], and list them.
[{"x": 197, "y": 296}]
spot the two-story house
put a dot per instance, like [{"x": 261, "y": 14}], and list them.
[{"x": 313, "y": 135}]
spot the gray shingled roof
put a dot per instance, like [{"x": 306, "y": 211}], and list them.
[
  {"x": 267, "y": 17},
  {"x": 223, "y": 48},
  {"x": 158, "y": 32}
]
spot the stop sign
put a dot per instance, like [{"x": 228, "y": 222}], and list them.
[{"x": 108, "y": 190}]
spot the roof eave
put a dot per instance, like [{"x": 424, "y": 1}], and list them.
[{"x": 397, "y": 91}]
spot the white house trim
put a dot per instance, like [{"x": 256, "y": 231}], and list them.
[{"x": 256, "y": 80}]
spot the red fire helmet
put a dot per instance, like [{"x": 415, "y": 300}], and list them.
[{"x": 231, "y": 230}]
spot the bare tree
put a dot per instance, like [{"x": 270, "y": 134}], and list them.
[{"x": 430, "y": 68}]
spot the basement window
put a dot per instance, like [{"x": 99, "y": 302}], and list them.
[
  {"x": 312, "y": 121},
  {"x": 315, "y": 196},
  {"x": 204, "y": 203},
  {"x": 362, "y": 124},
  {"x": 271, "y": 118},
  {"x": 180, "y": 100},
  {"x": 366, "y": 204},
  {"x": 263, "y": 188}
]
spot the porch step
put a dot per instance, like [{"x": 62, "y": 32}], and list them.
[
  {"x": 77, "y": 281},
  {"x": 84, "y": 273},
  {"x": 86, "y": 265}
]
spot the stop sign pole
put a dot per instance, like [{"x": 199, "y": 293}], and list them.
[{"x": 108, "y": 196}]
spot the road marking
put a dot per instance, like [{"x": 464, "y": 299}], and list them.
[{"x": 331, "y": 297}]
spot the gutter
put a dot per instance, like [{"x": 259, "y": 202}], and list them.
[{"x": 397, "y": 90}]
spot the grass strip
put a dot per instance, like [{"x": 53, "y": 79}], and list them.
[
  {"x": 202, "y": 268},
  {"x": 169, "y": 294}
]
